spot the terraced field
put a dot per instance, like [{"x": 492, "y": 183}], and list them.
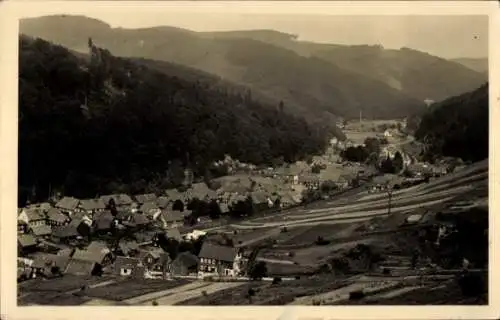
[{"x": 368, "y": 206}]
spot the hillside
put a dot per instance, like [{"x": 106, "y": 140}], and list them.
[
  {"x": 308, "y": 86},
  {"x": 476, "y": 64},
  {"x": 107, "y": 124},
  {"x": 458, "y": 126}
]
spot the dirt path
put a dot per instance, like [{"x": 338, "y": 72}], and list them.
[
  {"x": 180, "y": 296},
  {"x": 155, "y": 295}
]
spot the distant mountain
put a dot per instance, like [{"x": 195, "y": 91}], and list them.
[
  {"x": 476, "y": 64},
  {"x": 264, "y": 61},
  {"x": 100, "y": 124},
  {"x": 457, "y": 127}
]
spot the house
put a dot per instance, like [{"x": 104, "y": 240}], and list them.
[
  {"x": 68, "y": 205},
  {"x": 44, "y": 207},
  {"x": 310, "y": 181},
  {"x": 91, "y": 206},
  {"x": 56, "y": 218},
  {"x": 174, "y": 234},
  {"x": 173, "y": 218},
  {"x": 150, "y": 209},
  {"x": 41, "y": 231},
  {"x": 121, "y": 200},
  {"x": 128, "y": 267},
  {"x": 32, "y": 217},
  {"x": 49, "y": 265},
  {"x": 100, "y": 256},
  {"x": 184, "y": 264},
  {"x": 217, "y": 260},
  {"x": 154, "y": 259},
  {"x": 195, "y": 234},
  {"x": 65, "y": 233},
  {"x": 26, "y": 243},
  {"x": 103, "y": 222},
  {"x": 388, "y": 133},
  {"x": 260, "y": 200},
  {"x": 162, "y": 202},
  {"x": 128, "y": 249},
  {"x": 144, "y": 198},
  {"x": 78, "y": 267},
  {"x": 68, "y": 252}
]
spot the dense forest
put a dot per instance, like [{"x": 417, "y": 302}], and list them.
[
  {"x": 457, "y": 127},
  {"x": 106, "y": 124}
]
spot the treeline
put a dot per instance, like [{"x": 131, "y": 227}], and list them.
[
  {"x": 457, "y": 127},
  {"x": 111, "y": 125}
]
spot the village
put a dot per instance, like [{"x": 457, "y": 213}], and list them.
[{"x": 204, "y": 233}]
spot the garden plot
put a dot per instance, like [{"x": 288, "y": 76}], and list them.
[
  {"x": 127, "y": 289},
  {"x": 183, "y": 295},
  {"x": 147, "y": 298}
]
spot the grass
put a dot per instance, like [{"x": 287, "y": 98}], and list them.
[
  {"x": 60, "y": 285},
  {"x": 52, "y": 298},
  {"x": 130, "y": 288},
  {"x": 269, "y": 294}
]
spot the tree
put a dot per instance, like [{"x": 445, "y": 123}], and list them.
[
  {"x": 372, "y": 145},
  {"x": 398, "y": 162},
  {"x": 387, "y": 166},
  {"x": 214, "y": 211},
  {"x": 258, "y": 270},
  {"x": 178, "y": 205}
]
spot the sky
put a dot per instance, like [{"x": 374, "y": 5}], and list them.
[{"x": 447, "y": 36}]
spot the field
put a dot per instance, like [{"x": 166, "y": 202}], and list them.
[
  {"x": 267, "y": 293},
  {"x": 127, "y": 289}
]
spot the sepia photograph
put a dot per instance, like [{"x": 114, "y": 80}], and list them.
[{"x": 200, "y": 158}]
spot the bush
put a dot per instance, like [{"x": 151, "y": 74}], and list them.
[
  {"x": 284, "y": 229},
  {"x": 277, "y": 280},
  {"x": 154, "y": 303},
  {"x": 320, "y": 241},
  {"x": 356, "y": 295},
  {"x": 297, "y": 277},
  {"x": 386, "y": 271},
  {"x": 472, "y": 285}
]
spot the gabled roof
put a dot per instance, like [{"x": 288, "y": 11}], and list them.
[
  {"x": 80, "y": 267},
  {"x": 156, "y": 253},
  {"x": 213, "y": 251},
  {"x": 173, "y": 215},
  {"x": 96, "y": 256},
  {"x": 56, "y": 215},
  {"x": 125, "y": 262},
  {"x": 173, "y": 194},
  {"x": 162, "y": 202},
  {"x": 34, "y": 214},
  {"x": 173, "y": 233},
  {"x": 41, "y": 230},
  {"x": 97, "y": 246},
  {"x": 140, "y": 219},
  {"x": 259, "y": 197},
  {"x": 103, "y": 220},
  {"x": 66, "y": 252},
  {"x": 148, "y": 206},
  {"x": 120, "y": 199},
  {"x": 68, "y": 203},
  {"x": 127, "y": 247},
  {"x": 92, "y": 204},
  {"x": 67, "y": 231},
  {"x": 46, "y": 260},
  {"x": 143, "y": 198},
  {"x": 26, "y": 240}
]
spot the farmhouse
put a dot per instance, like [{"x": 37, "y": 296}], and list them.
[
  {"x": 26, "y": 243},
  {"x": 91, "y": 206},
  {"x": 128, "y": 267},
  {"x": 218, "y": 260},
  {"x": 48, "y": 265},
  {"x": 32, "y": 217},
  {"x": 103, "y": 222},
  {"x": 68, "y": 205},
  {"x": 144, "y": 198},
  {"x": 41, "y": 231},
  {"x": 56, "y": 218}
]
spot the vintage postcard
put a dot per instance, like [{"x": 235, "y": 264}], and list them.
[{"x": 285, "y": 158}]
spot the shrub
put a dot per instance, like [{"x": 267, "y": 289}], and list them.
[
  {"x": 356, "y": 295},
  {"x": 386, "y": 271},
  {"x": 316, "y": 302},
  {"x": 154, "y": 303},
  {"x": 297, "y": 277},
  {"x": 284, "y": 229},
  {"x": 320, "y": 241},
  {"x": 204, "y": 293},
  {"x": 277, "y": 280}
]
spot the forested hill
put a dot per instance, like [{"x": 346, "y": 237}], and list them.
[
  {"x": 457, "y": 127},
  {"x": 109, "y": 124},
  {"x": 310, "y": 86}
]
